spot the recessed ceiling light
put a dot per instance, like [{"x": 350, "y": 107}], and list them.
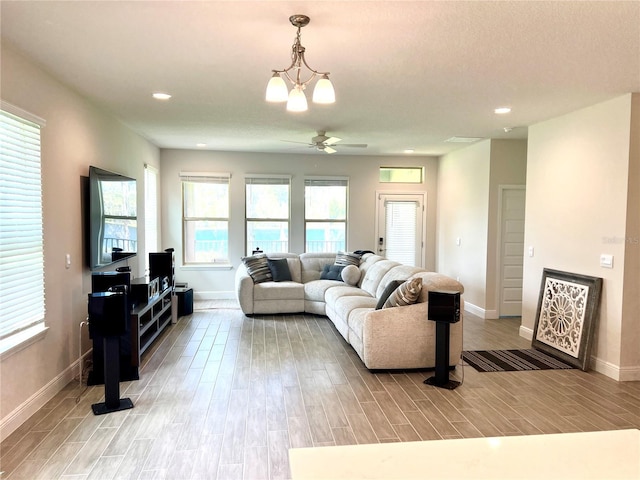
[
  {"x": 409, "y": 150},
  {"x": 201, "y": 145},
  {"x": 161, "y": 96},
  {"x": 502, "y": 110}
]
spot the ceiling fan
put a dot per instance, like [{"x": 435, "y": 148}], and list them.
[{"x": 325, "y": 144}]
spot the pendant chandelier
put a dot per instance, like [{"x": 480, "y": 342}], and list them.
[{"x": 296, "y": 99}]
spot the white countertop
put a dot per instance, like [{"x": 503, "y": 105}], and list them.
[{"x": 585, "y": 455}]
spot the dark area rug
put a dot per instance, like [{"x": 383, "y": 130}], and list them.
[{"x": 512, "y": 360}]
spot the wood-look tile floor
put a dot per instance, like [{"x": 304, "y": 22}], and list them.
[{"x": 224, "y": 396}]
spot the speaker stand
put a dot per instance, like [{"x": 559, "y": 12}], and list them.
[
  {"x": 441, "y": 378},
  {"x": 112, "y": 401}
]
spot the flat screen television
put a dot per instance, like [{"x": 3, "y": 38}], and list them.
[{"x": 113, "y": 220}]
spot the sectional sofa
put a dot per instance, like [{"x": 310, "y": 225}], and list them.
[{"x": 394, "y": 337}]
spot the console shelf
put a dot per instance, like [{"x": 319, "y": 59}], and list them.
[{"x": 149, "y": 320}]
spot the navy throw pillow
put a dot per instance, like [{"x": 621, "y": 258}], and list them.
[
  {"x": 332, "y": 272},
  {"x": 279, "y": 270}
]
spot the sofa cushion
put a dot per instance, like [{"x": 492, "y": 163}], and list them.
[
  {"x": 373, "y": 276},
  {"x": 405, "y": 294},
  {"x": 386, "y": 293},
  {"x": 312, "y": 263},
  {"x": 279, "y": 269},
  {"x": 258, "y": 268},
  {"x": 348, "y": 258},
  {"x": 278, "y": 291},
  {"x": 351, "y": 274},
  {"x": 437, "y": 281},
  {"x": 315, "y": 290},
  {"x": 331, "y": 272}
]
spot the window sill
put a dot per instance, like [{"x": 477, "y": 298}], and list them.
[
  {"x": 21, "y": 340},
  {"x": 207, "y": 266}
]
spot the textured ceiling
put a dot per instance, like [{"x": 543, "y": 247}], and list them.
[{"x": 406, "y": 74}]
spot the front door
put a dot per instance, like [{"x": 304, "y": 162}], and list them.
[{"x": 400, "y": 232}]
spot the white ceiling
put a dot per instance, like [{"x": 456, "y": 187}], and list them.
[{"x": 406, "y": 74}]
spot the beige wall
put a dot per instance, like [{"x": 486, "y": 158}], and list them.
[
  {"x": 463, "y": 212},
  {"x": 508, "y": 168},
  {"x": 469, "y": 183},
  {"x": 363, "y": 173},
  {"x": 576, "y": 210},
  {"x": 630, "y": 356},
  {"x": 77, "y": 134}
]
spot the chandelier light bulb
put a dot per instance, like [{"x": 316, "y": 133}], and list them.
[
  {"x": 323, "y": 91},
  {"x": 276, "y": 89},
  {"x": 297, "y": 100}
]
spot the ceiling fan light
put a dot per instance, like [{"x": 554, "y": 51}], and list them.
[
  {"x": 276, "y": 89},
  {"x": 323, "y": 92},
  {"x": 297, "y": 100}
]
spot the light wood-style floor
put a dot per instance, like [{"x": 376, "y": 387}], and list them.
[{"x": 224, "y": 396}]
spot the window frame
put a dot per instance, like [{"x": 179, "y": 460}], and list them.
[
  {"x": 22, "y": 131},
  {"x": 205, "y": 178},
  {"x": 266, "y": 179},
  {"x": 311, "y": 181}
]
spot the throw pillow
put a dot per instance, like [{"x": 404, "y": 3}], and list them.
[
  {"x": 389, "y": 289},
  {"x": 331, "y": 272},
  {"x": 258, "y": 268},
  {"x": 351, "y": 274},
  {"x": 279, "y": 270},
  {"x": 405, "y": 294},
  {"x": 348, "y": 258}
]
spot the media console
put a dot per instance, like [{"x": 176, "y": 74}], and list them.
[{"x": 148, "y": 320}]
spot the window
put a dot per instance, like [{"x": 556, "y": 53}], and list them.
[
  {"x": 267, "y": 213},
  {"x": 401, "y": 174},
  {"x": 325, "y": 214},
  {"x": 150, "y": 212},
  {"x": 22, "y": 306},
  {"x": 205, "y": 217}
]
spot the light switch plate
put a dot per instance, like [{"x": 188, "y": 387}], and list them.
[{"x": 606, "y": 261}]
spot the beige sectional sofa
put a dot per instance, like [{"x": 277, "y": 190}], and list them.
[{"x": 388, "y": 338}]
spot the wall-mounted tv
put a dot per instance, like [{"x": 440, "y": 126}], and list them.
[{"x": 113, "y": 221}]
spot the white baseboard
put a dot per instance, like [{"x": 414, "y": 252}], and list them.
[
  {"x": 526, "y": 332},
  {"x": 22, "y": 413},
  {"x": 480, "y": 312},
  {"x": 217, "y": 295}
]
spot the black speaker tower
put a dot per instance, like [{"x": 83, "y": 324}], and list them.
[
  {"x": 108, "y": 317},
  {"x": 444, "y": 309}
]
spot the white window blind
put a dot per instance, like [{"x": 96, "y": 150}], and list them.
[
  {"x": 150, "y": 211},
  {"x": 22, "y": 298},
  {"x": 401, "y": 219}
]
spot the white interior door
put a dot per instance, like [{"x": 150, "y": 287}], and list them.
[
  {"x": 400, "y": 231},
  {"x": 512, "y": 250}
]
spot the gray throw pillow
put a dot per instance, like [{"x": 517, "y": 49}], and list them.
[
  {"x": 258, "y": 267},
  {"x": 389, "y": 289},
  {"x": 332, "y": 272},
  {"x": 279, "y": 269}
]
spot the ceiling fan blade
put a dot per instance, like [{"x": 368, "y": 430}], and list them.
[
  {"x": 331, "y": 140},
  {"x": 328, "y": 149},
  {"x": 301, "y": 143},
  {"x": 357, "y": 145}
]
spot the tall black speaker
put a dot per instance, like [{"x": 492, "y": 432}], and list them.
[
  {"x": 444, "y": 309},
  {"x": 109, "y": 318},
  {"x": 104, "y": 282},
  {"x": 161, "y": 265}
]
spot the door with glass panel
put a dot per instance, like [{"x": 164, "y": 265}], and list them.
[{"x": 400, "y": 228}]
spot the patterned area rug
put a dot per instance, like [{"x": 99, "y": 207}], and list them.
[{"x": 512, "y": 360}]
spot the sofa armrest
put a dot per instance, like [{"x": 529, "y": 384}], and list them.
[
  {"x": 244, "y": 289},
  {"x": 398, "y": 336}
]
